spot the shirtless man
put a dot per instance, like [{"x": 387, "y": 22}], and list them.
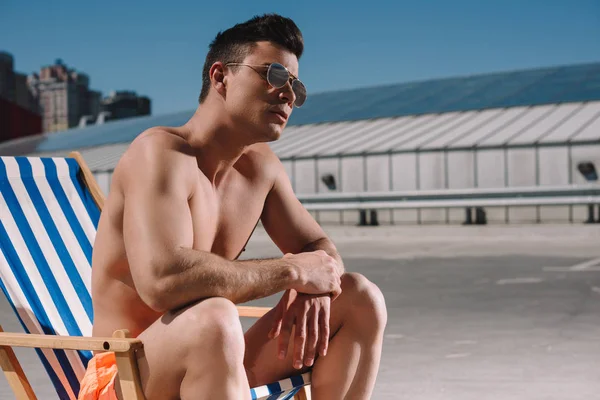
[{"x": 182, "y": 205}]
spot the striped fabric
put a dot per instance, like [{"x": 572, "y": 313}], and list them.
[
  {"x": 47, "y": 227},
  {"x": 48, "y": 222},
  {"x": 282, "y": 390}
]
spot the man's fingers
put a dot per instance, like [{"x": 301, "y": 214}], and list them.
[
  {"x": 276, "y": 330},
  {"x": 284, "y": 337},
  {"x": 300, "y": 339},
  {"x": 312, "y": 328},
  {"x": 277, "y": 321},
  {"x": 279, "y": 312},
  {"x": 324, "y": 316}
]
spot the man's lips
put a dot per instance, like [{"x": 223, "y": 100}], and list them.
[{"x": 282, "y": 113}]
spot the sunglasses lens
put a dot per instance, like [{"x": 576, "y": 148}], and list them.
[
  {"x": 300, "y": 92},
  {"x": 277, "y": 75}
]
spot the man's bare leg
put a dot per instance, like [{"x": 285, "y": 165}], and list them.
[
  {"x": 358, "y": 319},
  {"x": 195, "y": 353}
]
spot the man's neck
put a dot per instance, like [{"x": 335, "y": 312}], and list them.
[{"x": 217, "y": 145}]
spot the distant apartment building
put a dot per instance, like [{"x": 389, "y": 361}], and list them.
[
  {"x": 19, "y": 109},
  {"x": 57, "y": 99},
  {"x": 64, "y": 96},
  {"x": 13, "y": 85},
  {"x": 125, "y": 104},
  {"x": 7, "y": 76}
]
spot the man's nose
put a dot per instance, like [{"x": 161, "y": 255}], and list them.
[{"x": 287, "y": 94}]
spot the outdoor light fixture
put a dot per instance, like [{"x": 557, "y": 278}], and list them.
[
  {"x": 329, "y": 181},
  {"x": 588, "y": 170}
]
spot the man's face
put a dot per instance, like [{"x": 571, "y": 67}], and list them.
[{"x": 256, "y": 107}]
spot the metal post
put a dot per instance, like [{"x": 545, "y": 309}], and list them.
[
  {"x": 417, "y": 171},
  {"x": 468, "y": 216},
  {"x": 391, "y": 183},
  {"x": 475, "y": 184},
  {"x": 506, "y": 210},
  {"x": 418, "y": 183},
  {"x": 590, "y": 219},
  {"x": 374, "y": 221},
  {"x": 362, "y": 218},
  {"x": 316, "y": 175},
  {"x": 480, "y": 216},
  {"x": 475, "y": 169},
  {"x": 538, "y": 215},
  {"x": 391, "y": 172},
  {"x": 365, "y": 183},
  {"x": 570, "y": 174},
  {"x": 363, "y": 215},
  {"x": 446, "y": 182}
]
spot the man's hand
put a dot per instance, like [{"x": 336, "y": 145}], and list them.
[
  {"x": 317, "y": 273},
  {"x": 310, "y": 315}
]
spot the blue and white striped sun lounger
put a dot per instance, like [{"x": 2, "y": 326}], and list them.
[{"x": 49, "y": 211}]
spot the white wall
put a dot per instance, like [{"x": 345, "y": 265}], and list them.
[
  {"x": 103, "y": 179},
  {"x": 378, "y": 173},
  {"x": 328, "y": 166},
  {"x": 432, "y": 176},
  {"x": 404, "y": 177},
  {"x": 554, "y": 170},
  {"x": 520, "y": 170},
  {"x": 461, "y": 175},
  {"x": 491, "y": 173},
  {"x": 579, "y": 154},
  {"x": 495, "y": 168},
  {"x": 352, "y": 181},
  {"x": 304, "y": 176}
]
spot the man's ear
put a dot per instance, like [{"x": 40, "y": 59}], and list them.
[{"x": 218, "y": 77}]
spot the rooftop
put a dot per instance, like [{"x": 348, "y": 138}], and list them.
[{"x": 507, "y": 92}]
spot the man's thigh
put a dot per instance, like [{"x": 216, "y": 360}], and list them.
[
  {"x": 161, "y": 358},
  {"x": 167, "y": 346}
]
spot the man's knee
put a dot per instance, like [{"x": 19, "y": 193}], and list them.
[
  {"x": 213, "y": 324},
  {"x": 366, "y": 299}
]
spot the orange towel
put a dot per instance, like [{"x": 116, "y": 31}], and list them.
[{"x": 98, "y": 382}]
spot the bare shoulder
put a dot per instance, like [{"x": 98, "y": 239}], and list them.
[
  {"x": 157, "y": 151},
  {"x": 264, "y": 161},
  {"x": 156, "y": 144}
]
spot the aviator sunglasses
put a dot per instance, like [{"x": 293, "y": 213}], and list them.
[{"x": 277, "y": 76}]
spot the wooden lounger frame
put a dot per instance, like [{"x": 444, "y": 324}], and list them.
[{"x": 125, "y": 348}]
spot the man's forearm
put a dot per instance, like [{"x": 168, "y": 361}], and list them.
[
  {"x": 198, "y": 275},
  {"x": 328, "y": 247}
]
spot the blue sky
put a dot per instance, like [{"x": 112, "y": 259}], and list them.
[{"x": 157, "y": 48}]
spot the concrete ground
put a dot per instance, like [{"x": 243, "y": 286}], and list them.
[{"x": 497, "y": 312}]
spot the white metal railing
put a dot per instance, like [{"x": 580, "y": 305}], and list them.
[{"x": 455, "y": 198}]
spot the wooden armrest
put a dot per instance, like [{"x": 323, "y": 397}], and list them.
[
  {"x": 117, "y": 345},
  {"x": 252, "y": 312},
  {"x": 120, "y": 343}
]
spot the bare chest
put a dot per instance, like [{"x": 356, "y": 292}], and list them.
[{"x": 223, "y": 221}]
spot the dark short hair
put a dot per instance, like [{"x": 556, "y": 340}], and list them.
[{"x": 234, "y": 44}]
